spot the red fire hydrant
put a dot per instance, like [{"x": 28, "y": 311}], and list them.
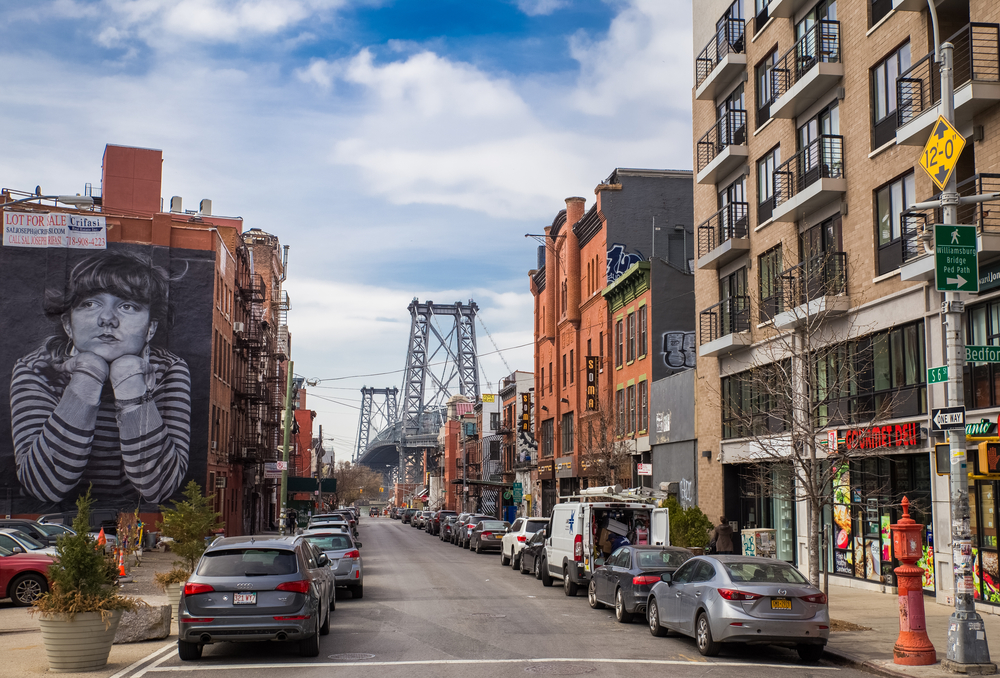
[{"x": 913, "y": 647}]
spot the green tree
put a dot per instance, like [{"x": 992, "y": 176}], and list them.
[
  {"x": 689, "y": 527},
  {"x": 189, "y": 522}
]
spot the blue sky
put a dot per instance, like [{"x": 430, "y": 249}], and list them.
[{"x": 401, "y": 148}]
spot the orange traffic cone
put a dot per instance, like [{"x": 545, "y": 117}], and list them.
[
  {"x": 101, "y": 540},
  {"x": 121, "y": 563}
]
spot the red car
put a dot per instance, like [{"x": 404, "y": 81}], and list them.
[{"x": 23, "y": 576}]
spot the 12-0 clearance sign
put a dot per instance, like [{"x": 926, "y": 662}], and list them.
[{"x": 940, "y": 154}]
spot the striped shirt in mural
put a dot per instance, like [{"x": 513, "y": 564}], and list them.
[{"x": 61, "y": 442}]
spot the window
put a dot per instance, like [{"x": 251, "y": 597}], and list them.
[
  {"x": 732, "y": 202},
  {"x": 756, "y": 402},
  {"x": 620, "y": 412},
  {"x": 821, "y": 152},
  {"x": 589, "y": 351},
  {"x": 548, "y": 433},
  {"x": 619, "y": 343},
  {"x": 735, "y": 311},
  {"x": 982, "y": 380},
  {"x": 890, "y": 203},
  {"x": 765, "y": 183},
  {"x": 541, "y": 381},
  {"x": 564, "y": 371},
  {"x": 550, "y": 376},
  {"x": 562, "y": 297},
  {"x": 643, "y": 333},
  {"x": 878, "y": 10},
  {"x": 770, "y": 266},
  {"x": 494, "y": 421},
  {"x": 732, "y": 118},
  {"x": 766, "y": 86},
  {"x": 643, "y": 424},
  {"x": 567, "y": 433},
  {"x": 759, "y": 14},
  {"x": 883, "y": 79},
  {"x": 572, "y": 365},
  {"x": 630, "y": 414},
  {"x": 600, "y": 347},
  {"x": 630, "y": 338}
]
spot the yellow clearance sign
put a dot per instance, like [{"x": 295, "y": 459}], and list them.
[{"x": 940, "y": 154}]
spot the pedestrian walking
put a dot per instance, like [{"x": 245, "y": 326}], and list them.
[{"x": 720, "y": 540}]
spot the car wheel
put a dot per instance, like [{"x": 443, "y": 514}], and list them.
[
  {"x": 569, "y": 586},
  {"x": 520, "y": 565},
  {"x": 545, "y": 576},
  {"x": 592, "y": 596},
  {"x": 703, "y": 637},
  {"x": 188, "y": 651},
  {"x": 358, "y": 591},
  {"x": 324, "y": 630},
  {"x": 27, "y": 587},
  {"x": 810, "y": 653},
  {"x": 479, "y": 546},
  {"x": 536, "y": 568},
  {"x": 310, "y": 646},
  {"x": 621, "y": 614},
  {"x": 504, "y": 558},
  {"x": 653, "y": 617}
]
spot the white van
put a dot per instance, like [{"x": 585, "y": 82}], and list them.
[{"x": 582, "y": 535}]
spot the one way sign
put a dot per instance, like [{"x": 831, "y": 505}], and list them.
[{"x": 947, "y": 418}]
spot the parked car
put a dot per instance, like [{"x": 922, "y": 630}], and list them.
[
  {"x": 47, "y": 534},
  {"x": 516, "y": 537},
  {"x": 345, "y": 558},
  {"x": 19, "y": 542},
  {"x": 740, "y": 599},
  {"x": 427, "y": 522},
  {"x": 533, "y": 553},
  {"x": 417, "y": 519},
  {"x": 461, "y": 521},
  {"x": 438, "y": 519},
  {"x": 625, "y": 580},
  {"x": 487, "y": 535},
  {"x": 465, "y": 531},
  {"x": 255, "y": 588},
  {"x": 408, "y": 514},
  {"x": 447, "y": 525},
  {"x": 23, "y": 576}
]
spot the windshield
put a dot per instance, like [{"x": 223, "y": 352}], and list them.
[
  {"x": 53, "y": 530},
  {"x": 493, "y": 525},
  {"x": 30, "y": 542},
  {"x": 247, "y": 563},
  {"x": 533, "y": 526},
  {"x": 757, "y": 573},
  {"x": 331, "y": 542},
  {"x": 663, "y": 558}
]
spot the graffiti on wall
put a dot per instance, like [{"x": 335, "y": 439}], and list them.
[
  {"x": 679, "y": 350},
  {"x": 619, "y": 261}
]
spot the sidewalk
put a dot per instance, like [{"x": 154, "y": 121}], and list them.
[{"x": 872, "y": 649}]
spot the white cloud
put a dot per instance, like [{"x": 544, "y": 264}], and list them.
[{"x": 540, "y": 7}]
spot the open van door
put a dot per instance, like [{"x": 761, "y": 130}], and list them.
[{"x": 659, "y": 527}]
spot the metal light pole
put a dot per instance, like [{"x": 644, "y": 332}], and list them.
[{"x": 288, "y": 430}]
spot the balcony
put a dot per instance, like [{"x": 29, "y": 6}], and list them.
[
  {"x": 977, "y": 84},
  {"x": 725, "y": 327},
  {"x": 722, "y": 61},
  {"x": 723, "y": 236},
  {"x": 808, "y": 70},
  {"x": 809, "y": 179},
  {"x": 786, "y": 9},
  {"x": 814, "y": 290},
  {"x": 723, "y": 148},
  {"x": 915, "y": 262}
]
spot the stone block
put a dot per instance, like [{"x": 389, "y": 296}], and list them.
[{"x": 146, "y": 623}]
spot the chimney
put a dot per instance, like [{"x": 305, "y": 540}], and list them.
[
  {"x": 205, "y": 207},
  {"x": 176, "y": 204},
  {"x": 574, "y": 212}
]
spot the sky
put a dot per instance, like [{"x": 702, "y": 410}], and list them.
[{"x": 401, "y": 148}]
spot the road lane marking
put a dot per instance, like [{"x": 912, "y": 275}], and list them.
[
  {"x": 148, "y": 657},
  {"x": 155, "y": 668}
]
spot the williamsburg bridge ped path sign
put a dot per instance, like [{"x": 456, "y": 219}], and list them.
[{"x": 956, "y": 259}]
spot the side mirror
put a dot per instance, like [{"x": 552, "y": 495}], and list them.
[
  {"x": 17, "y": 549},
  {"x": 667, "y": 578},
  {"x": 358, "y": 544},
  {"x": 323, "y": 560}
]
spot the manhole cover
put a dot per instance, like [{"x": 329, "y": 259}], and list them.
[
  {"x": 351, "y": 656},
  {"x": 560, "y": 669},
  {"x": 488, "y": 614}
]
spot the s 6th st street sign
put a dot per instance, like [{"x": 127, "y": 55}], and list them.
[{"x": 956, "y": 260}]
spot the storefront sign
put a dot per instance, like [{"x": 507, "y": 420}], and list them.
[
  {"x": 489, "y": 398},
  {"x": 981, "y": 429},
  {"x": 546, "y": 470},
  {"x": 878, "y": 437},
  {"x": 525, "y": 422},
  {"x": 564, "y": 467},
  {"x": 989, "y": 277},
  {"x": 645, "y": 469},
  {"x": 592, "y": 365}
]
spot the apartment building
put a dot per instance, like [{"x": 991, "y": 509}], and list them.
[{"x": 809, "y": 118}]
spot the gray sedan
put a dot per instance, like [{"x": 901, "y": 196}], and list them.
[
  {"x": 738, "y": 599},
  {"x": 345, "y": 558},
  {"x": 487, "y": 535}
]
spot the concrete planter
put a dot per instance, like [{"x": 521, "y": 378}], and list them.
[
  {"x": 174, "y": 598},
  {"x": 79, "y": 644}
]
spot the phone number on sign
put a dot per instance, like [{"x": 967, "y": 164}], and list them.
[{"x": 77, "y": 241}]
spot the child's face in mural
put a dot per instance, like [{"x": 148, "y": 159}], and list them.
[{"x": 109, "y": 326}]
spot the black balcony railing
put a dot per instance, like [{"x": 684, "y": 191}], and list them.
[
  {"x": 913, "y": 226},
  {"x": 728, "y": 223},
  {"x": 976, "y": 57},
  {"x": 823, "y": 275},
  {"x": 729, "y": 39},
  {"x": 985, "y": 215},
  {"x": 726, "y": 317},
  {"x": 823, "y": 158},
  {"x": 820, "y": 44},
  {"x": 729, "y": 130}
]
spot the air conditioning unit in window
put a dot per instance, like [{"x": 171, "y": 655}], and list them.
[
  {"x": 214, "y": 445},
  {"x": 239, "y": 327}
]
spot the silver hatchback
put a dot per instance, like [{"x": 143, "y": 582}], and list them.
[
  {"x": 345, "y": 558},
  {"x": 257, "y": 588},
  {"x": 739, "y": 599}
]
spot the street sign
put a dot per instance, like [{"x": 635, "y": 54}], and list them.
[
  {"x": 982, "y": 354},
  {"x": 940, "y": 154},
  {"x": 956, "y": 261},
  {"x": 518, "y": 488},
  {"x": 947, "y": 418},
  {"x": 937, "y": 375}
]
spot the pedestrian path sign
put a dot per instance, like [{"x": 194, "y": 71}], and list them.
[
  {"x": 956, "y": 260},
  {"x": 940, "y": 154}
]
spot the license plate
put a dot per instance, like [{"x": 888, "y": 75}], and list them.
[
  {"x": 781, "y": 604},
  {"x": 245, "y": 598}
]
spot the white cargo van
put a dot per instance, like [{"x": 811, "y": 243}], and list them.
[{"x": 582, "y": 534}]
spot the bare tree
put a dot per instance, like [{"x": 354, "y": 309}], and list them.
[
  {"x": 356, "y": 481},
  {"x": 605, "y": 452}
]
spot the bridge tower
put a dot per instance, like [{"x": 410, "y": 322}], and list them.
[{"x": 377, "y": 414}]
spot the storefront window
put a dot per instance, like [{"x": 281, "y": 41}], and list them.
[{"x": 766, "y": 502}]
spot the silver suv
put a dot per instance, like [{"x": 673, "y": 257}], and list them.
[{"x": 257, "y": 588}]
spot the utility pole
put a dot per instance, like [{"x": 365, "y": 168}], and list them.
[{"x": 288, "y": 430}]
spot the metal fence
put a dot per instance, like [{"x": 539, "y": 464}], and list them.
[
  {"x": 820, "y": 44},
  {"x": 822, "y": 158},
  {"x": 729, "y": 130},
  {"x": 729, "y": 222},
  {"x": 729, "y": 39},
  {"x": 726, "y": 317}
]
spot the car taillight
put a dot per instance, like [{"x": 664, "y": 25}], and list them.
[
  {"x": 353, "y": 554},
  {"x": 578, "y": 548},
  {"x": 645, "y": 579},
  {"x": 486, "y": 534},
  {"x": 733, "y": 594},
  {"x": 196, "y": 620},
  {"x": 817, "y": 598},
  {"x": 301, "y": 586},
  {"x": 521, "y": 537},
  {"x": 192, "y": 589}
]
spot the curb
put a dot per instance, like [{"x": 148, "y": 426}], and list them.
[
  {"x": 846, "y": 659},
  {"x": 13, "y": 631}
]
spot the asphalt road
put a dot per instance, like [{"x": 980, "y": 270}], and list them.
[{"x": 431, "y": 609}]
